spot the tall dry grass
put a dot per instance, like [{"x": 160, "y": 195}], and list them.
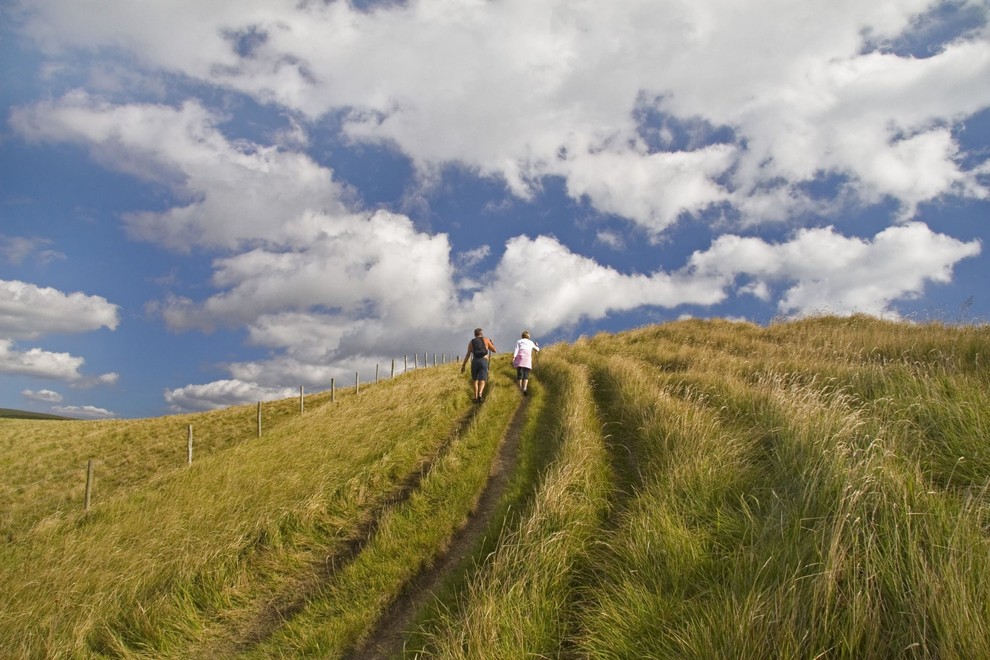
[
  {"x": 407, "y": 538},
  {"x": 698, "y": 489},
  {"x": 794, "y": 513},
  {"x": 153, "y": 567},
  {"x": 523, "y": 602},
  {"x": 44, "y": 464}
]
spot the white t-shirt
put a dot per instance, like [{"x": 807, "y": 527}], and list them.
[{"x": 523, "y": 355}]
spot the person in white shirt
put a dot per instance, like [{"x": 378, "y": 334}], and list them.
[{"x": 522, "y": 360}]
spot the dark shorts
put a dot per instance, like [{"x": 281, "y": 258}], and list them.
[
  {"x": 522, "y": 373},
  {"x": 479, "y": 369}
]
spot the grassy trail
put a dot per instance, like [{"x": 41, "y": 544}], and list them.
[
  {"x": 408, "y": 538},
  {"x": 522, "y": 602}
]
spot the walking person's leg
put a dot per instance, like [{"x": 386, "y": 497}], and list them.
[
  {"x": 482, "y": 377},
  {"x": 476, "y": 379},
  {"x": 479, "y": 372}
]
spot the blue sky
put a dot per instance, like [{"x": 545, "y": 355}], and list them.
[{"x": 205, "y": 204}]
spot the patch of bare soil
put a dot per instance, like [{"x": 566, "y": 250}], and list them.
[{"x": 388, "y": 639}]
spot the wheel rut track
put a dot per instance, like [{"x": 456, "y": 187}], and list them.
[
  {"x": 388, "y": 638},
  {"x": 277, "y": 613}
]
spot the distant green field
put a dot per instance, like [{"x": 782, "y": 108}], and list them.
[{"x": 10, "y": 413}]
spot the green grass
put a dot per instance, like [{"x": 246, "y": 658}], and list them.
[
  {"x": 696, "y": 489},
  {"x": 408, "y": 537},
  {"x": 524, "y": 602}
]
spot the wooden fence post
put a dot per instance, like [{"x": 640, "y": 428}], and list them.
[
  {"x": 89, "y": 484},
  {"x": 415, "y": 360},
  {"x": 259, "y": 419},
  {"x": 189, "y": 444},
  {"x": 357, "y": 383},
  {"x": 405, "y": 363},
  {"x": 393, "y": 369},
  {"x": 302, "y": 405},
  {"x": 376, "y": 373},
  {"x": 332, "y": 392}
]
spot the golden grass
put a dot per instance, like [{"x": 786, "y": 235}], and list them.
[
  {"x": 697, "y": 489},
  {"x": 522, "y": 602},
  {"x": 145, "y": 568}
]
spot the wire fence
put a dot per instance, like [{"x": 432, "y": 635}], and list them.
[{"x": 90, "y": 469}]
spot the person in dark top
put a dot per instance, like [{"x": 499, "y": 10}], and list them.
[{"x": 479, "y": 351}]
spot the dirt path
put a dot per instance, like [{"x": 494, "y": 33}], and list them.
[
  {"x": 388, "y": 639},
  {"x": 247, "y": 634}
]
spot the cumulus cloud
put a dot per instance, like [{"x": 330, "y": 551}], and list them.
[
  {"x": 39, "y": 363},
  {"x": 822, "y": 271},
  {"x": 230, "y": 192},
  {"x": 45, "y": 396},
  {"x": 651, "y": 189},
  {"x": 540, "y": 283},
  {"x": 524, "y": 89},
  {"x": 817, "y": 271},
  {"x": 222, "y": 393},
  {"x": 365, "y": 289},
  {"x": 376, "y": 266},
  {"x": 28, "y": 311}
]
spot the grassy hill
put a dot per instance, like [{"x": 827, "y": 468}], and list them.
[{"x": 695, "y": 489}]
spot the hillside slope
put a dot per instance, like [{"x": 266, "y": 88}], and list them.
[{"x": 693, "y": 489}]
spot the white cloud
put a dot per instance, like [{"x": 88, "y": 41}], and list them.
[
  {"x": 232, "y": 193},
  {"x": 377, "y": 267},
  {"x": 28, "y": 311},
  {"x": 825, "y": 272},
  {"x": 38, "y": 363},
  {"x": 915, "y": 170},
  {"x": 18, "y": 249},
  {"x": 611, "y": 239},
  {"x": 507, "y": 87},
  {"x": 84, "y": 412},
  {"x": 223, "y": 393},
  {"x": 472, "y": 258},
  {"x": 542, "y": 284},
  {"x": 95, "y": 381},
  {"x": 651, "y": 189},
  {"x": 45, "y": 396}
]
